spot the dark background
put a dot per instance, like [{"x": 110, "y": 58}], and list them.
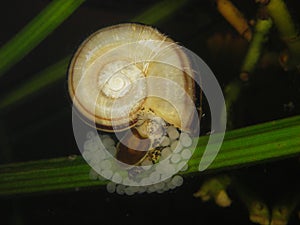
[{"x": 40, "y": 126}]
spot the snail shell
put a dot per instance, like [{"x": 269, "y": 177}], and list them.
[{"x": 107, "y": 78}]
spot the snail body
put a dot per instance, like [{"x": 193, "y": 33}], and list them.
[{"x": 123, "y": 76}]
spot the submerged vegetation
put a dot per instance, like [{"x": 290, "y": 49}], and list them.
[{"x": 261, "y": 43}]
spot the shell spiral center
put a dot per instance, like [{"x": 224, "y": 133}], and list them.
[{"x": 117, "y": 78}]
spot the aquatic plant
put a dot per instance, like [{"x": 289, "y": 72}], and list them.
[{"x": 250, "y": 145}]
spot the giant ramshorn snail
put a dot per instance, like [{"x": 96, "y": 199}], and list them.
[{"x": 131, "y": 77}]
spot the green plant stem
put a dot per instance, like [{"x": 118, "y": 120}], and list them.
[
  {"x": 233, "y": 89},
  {"x": 35, "y": 84},
  {"x": 288, "y": 31},
  {"x": 255, "y": 48},
  {"x": 250, "y": 145},
  {"x": 232, "y": 92},
  {"x": 281, "y": 17},
  {"x": 36, "y": 31},
  {"x": 48, "y": 76},
  {"x": 58, "y": 71}
]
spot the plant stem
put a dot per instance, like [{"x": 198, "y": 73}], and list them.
[
  {"x": 233, "y": 89},
  {"x": 232, "y": 92},
  {"x": 281, "y": 17},
  {"x": 250, "y": 145},
  {"x": 279, "y": 13},
  {"x": 36, "y": 31},
  {"x": 254, "y": 52},
  {"x": 235, "y": 18},
  {"x": 41, "y": 80}
]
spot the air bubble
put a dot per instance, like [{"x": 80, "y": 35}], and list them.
[
  {"x": 90, "y": 135},
  {"x": 172, "y": 132},
  {"x": 186, "y": 153},
  {"x": 87, "y": 155},
  {"x": 176, "y": 146},
  {"x": 90, "y": 145},
  {"x": 165, "y": 153},
  {"x": 151, "y": 189},
  {"x": 159, "y": 185},
  {"x": 120, "y": 189},
  {"x": 111, "y": 187},
  {"x": 106, "y": 164},
  {"x": 108, "y": 142},
  {"x": 112, "y": 150},
  {"x": 185, "y": 140},
  {"x": 107, "y": 174},
  {"x": 129, "y": 191},
  {"x": 165, "y": 141},
  {"x": 177, "y": 180},
  {"x": 166, "y": 169},
  {"x": 175, "y": 158},
  {"x": 142, "y": 189},
  {"x": 171, "y": 185},
  {"x": 117, "y": 178},
  {"x": 154, "y": 177},
  {"x": 183, "y": 165}
]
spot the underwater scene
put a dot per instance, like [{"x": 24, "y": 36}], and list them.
[{"x": 150, "y": 112}]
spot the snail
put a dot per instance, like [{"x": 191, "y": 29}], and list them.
[{"x": 130, "y": 77}]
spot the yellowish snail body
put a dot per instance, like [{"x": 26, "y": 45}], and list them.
[{"x": 130, "y": 77}]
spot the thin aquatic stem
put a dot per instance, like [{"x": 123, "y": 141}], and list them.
[
  {"x": 260, "y": 36},
  {"x": 233, "y": 15},
  {"x": 288, "y": 32}
]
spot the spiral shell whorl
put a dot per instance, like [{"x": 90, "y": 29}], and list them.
[
  {"x": 116, "y": 79},
  {"x": 109, "y": 70}
]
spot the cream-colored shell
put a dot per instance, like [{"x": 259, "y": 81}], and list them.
[{"x": 118, "y": 73}]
